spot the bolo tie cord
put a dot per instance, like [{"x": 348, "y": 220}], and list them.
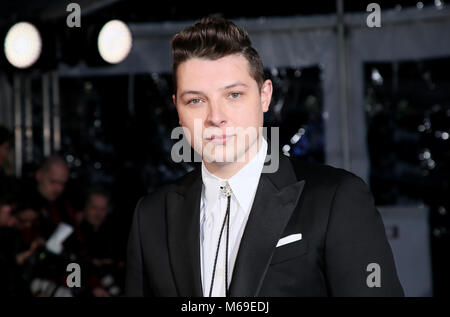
[{"x": 227, "y": 221}]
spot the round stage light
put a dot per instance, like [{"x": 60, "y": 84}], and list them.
[
  {"x": 114, "y": 41},
  {"x": 22, "y": 45}
]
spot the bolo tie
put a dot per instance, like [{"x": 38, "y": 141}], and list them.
[{"x": 226, "y": 191}]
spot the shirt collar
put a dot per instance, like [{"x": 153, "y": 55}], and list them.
[{"x": 243, "y": 183}]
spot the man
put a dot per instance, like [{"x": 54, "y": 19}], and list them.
[
  {"x": 46, "y": 194},
  {"x": 10, "y": 281},
  {"x": 6, "y": 219},
  {"x": 23, "y": 217},
  {"x": 14, "y": 253},
  {"x": 97, "y": 236},
  {"x": 96, "y": 208},
  {"x": 230, "y": 229},
  {"x": 52, "y": 177}
]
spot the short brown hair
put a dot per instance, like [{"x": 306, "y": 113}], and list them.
[{"x": 213, "y": 38}]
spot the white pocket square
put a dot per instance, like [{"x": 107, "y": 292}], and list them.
[{"x": 289, "y": 239}]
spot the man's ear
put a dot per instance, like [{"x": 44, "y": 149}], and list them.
[
  {"x": 266, "y": 95},
  {"x": 174, "y": 99}
]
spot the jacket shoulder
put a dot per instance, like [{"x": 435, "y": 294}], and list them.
[
  {"x": 322, "y": 174},
  {"x": 157, "y": 197}
]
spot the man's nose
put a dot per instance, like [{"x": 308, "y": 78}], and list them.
[{"x": 216, "y": 116}]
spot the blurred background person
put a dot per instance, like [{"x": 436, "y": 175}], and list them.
[
  {"x": 98, "y": 239},
  {"x": 8, "y": 238},
  {"x": 95, "y": 226},
  {"x": 6, "y": 218},
  {"x": 46, "y": 194},
  {"x": 14, "y": 251},
  {"x": 22, "y": 218}
]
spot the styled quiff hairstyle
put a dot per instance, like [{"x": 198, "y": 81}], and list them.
[{"x": 213, "y": 38}]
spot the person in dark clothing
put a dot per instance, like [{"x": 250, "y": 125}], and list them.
[
  {"x": 14, "y": 252},
  {"x": 35, "y": 262},
  {"x": 97, "y": 237},
  {"x": 95, "y": 226},
  {"x": 46, "y": 195},
  {"x": 293, "y": 228},
  {"x": 11, "y": 282}
]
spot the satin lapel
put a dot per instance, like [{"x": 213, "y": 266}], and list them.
[
  {"x": 183, "y": 213},
  {"x": 272, "y": 207}
]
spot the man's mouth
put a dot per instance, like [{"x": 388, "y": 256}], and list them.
[{"x": 219, "y": 139}]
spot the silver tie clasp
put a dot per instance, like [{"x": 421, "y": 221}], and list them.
[{"x": 226, "y": 190}]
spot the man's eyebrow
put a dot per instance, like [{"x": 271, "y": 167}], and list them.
[
  {"x": 235, "y": 85},
  {"x": 191, "y": 92},
  {"x": 197, "y": 92}
]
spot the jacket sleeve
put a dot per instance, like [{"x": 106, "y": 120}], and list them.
[
  {"x": 358, "y": 257},
  {"x": 136, "y": 282}
]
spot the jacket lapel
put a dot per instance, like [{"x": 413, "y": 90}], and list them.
[
  {"x": 183, "y": 213},
  {"x": 275, "y": 199}
]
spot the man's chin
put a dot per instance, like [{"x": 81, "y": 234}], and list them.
[
  {"x": 224, "y": 158},
  {"x": 219, "y": 161}
]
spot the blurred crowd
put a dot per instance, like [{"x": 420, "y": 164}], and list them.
[{"x": 33, "y": 212}]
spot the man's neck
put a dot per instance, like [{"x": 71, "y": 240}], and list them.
[{"x": 226, "y": 170}]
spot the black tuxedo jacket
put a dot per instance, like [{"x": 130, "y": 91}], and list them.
[{"x": 342, "y": 233}]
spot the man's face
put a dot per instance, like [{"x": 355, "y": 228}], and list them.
[
  {"x": 4, "y": 152},
  {"x": 223, "y": 102},
  {"x": 51, "y": 183},
  {"x": 97, "y": 209},
  {"x": 5, "y": 215}
]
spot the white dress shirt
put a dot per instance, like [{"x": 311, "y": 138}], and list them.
[{"x": 213, "y": 207}]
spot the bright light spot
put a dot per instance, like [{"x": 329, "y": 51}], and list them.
[
  {"x": 114, "y": 41},
  {"x": 23, "y": 45},
  {"x": 438, "y": 4}
]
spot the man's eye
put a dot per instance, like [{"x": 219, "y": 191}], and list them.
[
  {"x": 235, "y": 95},
  {"x": 194, "y": 101}
]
